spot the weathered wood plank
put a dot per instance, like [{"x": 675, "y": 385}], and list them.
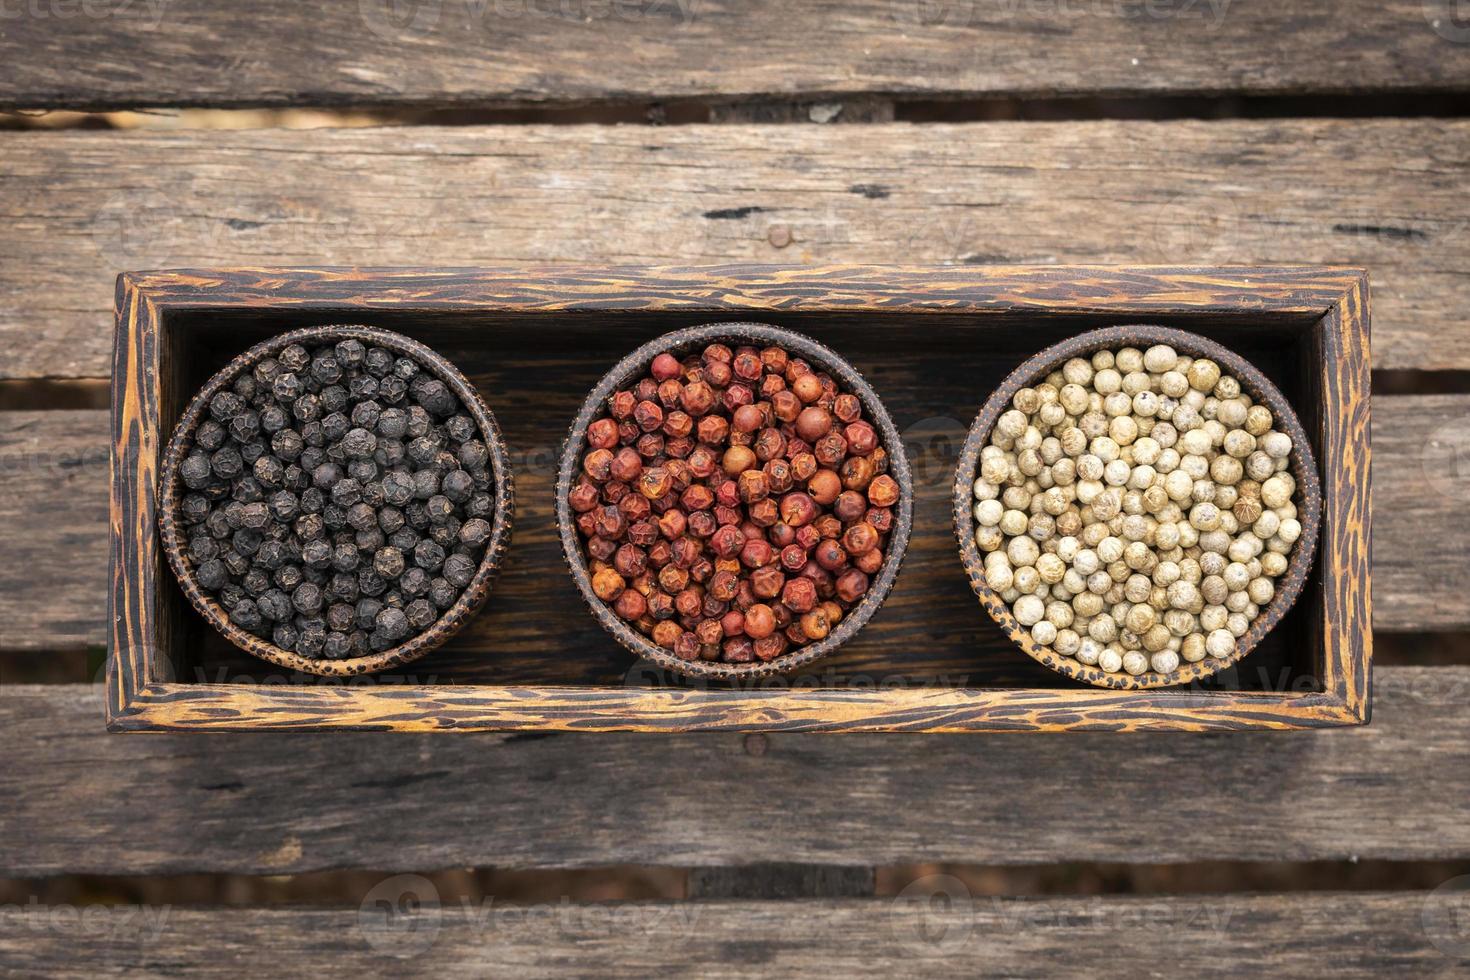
[
  {"x": 284, "y": 803},
  {"x": 1350, "y": 935},
  {"x": 53, "y": 514},
  {"x": 463, "y": 52},
  {"x": 1383, "y": 194}
]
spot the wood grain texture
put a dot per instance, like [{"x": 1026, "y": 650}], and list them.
[
  {"x": 1384, "y": 194},
  {"x": 1275, "y": 313},
  {"x": 1395, "y": 789},
  {"x": 1351, "y": 935},
  {"x": 457, "y": 52}
]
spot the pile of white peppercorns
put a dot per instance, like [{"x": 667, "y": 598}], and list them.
[{"x": 1136, "y": 508}]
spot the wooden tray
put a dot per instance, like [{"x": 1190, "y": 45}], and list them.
[{"x": 933, "y": 342}]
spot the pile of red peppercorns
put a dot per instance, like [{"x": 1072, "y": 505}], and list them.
[{"x": 734, "y": 504}]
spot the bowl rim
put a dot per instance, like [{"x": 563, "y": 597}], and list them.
[
  {"x": 1303, "y": 467},
  {"x": 452, "y": 619},
  {"x": 682, "y": 341}
]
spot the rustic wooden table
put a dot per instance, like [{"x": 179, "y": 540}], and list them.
[{"x": 1345, "y": 147}]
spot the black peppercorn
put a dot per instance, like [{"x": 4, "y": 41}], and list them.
[{"x": 316, "y": 486}]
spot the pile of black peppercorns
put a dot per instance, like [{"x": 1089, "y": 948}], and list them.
[{"x": 337, "y": 500}]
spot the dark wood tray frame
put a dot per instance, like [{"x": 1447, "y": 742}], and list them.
[{"x": 1324, "y": 309}]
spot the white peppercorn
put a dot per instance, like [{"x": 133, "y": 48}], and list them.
[{"x": 1134, "y": 509}]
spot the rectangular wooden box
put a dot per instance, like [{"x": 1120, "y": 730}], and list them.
[{"x": 933, "y": 341}]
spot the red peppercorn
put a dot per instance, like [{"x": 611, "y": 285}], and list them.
[
  {"x": 848, "y": 409},
  {"x": 661, "y": 605},
  {"x": 648, "y": 415},
  {"x": 717, "y": 352},
  {"x": 883, "y": 491},
  {"x": 828, "y": 526},
  {"x": 621, "y": 404},
  {"x": 600, "y": 549},
  {"x": 767, "y": 582},
  {"x": 602, "y": 434},
  {"x": 650, "y": 445},
  {"x": 597, "y": 464},
  {"x": 723, "y": 585},
  {"x": 770, "y": 385},
  {"x": 672, "y": 578},
  {"x": 630, "y": 605},
  {"x": 830, "y": 450},
  {"x": 672, "y": 524},
  {"x": 793, "y": 557},
  {"x": 664, "y": 367},
  {"x": 803, "y": 466},
  {"x": 870, "y": 562},
  {"x": 807, "y": 387},
  {"x": 748, "y": 418},
  {"x": 785, "y": 406},
  {"x": 669, "y": 392},
  {"x": 857, "y": 473},
  {"x": 798, "y": 509},
  {"x": 781, "y": 534},
  {"x": 738, "y": 650},
  {"x": 813, "y": 423},
  {"x": 709, "y": 632},
  {"x": 735, "y": 396},
  {"x": 702, "y": 523},
  {"x": 610, "y": 523},
  {"x": 851, "y": 585},
  {"x": 862, "y": 438},
  {"x": 697, "y": 497},
  {"x": 583, "y": 497},
  {"x": 849, "y": 506},
  {"x": 667, "y": 634},
  {"x": 737, "y": 460},
  {"x": 829, "y": 555},
  {"x": 747, "y": 365},
  {"x": 607, "y": 585},
  {"x": 697, "y": 398},
  {"x": 686, "y": 552},
  {"x": 660, "y": 553},
  {"x": 753, "y": 486},
  {"x": 860, "y": 538},
  {"x": 756, "y": 553},
  {"x": 677, "y": 424},
  {"x": 654, "y": 482},
  {"x": 733, "y": 623},
  {"x": 815, "y": 625},
  {"x": 630, "y": 561},
  {"x": 642, "y": 533},
  {"x": 768, "y": 648},
  {"x": 626, "y": 465},
  {"x": 807, "y": 537},
  {"x": 759, "y": 621},
  {"x": 881, "y": 518},
  {"x": 769, "y": 444},
  {"x": 718, "y": 373},
  {"x": 689, "y": 602},
  {"x": 824, "y": 486},
  {"x": 702, "y": 462},
  {"x": 778, "y": 475},
  {"x": 799, "y": 594},
  {"x": 763, "y": 513}
]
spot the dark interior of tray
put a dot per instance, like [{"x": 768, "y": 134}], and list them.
[{"x": 932, "y": 371}]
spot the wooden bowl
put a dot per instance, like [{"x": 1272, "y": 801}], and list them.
[
  {"x": 1303, "y": 467},
  {"x": 680, "y": 343},
  {"x": 449, "y": 623}
]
